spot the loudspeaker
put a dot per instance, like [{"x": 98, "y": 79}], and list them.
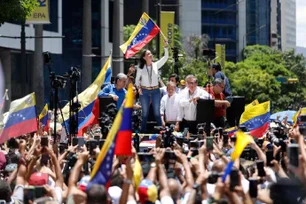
[
  {"x": 205, "y": 110},
  {"x": 234, "y": 112}
]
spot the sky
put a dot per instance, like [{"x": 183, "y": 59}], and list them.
[{"x": 301, "y": 23}]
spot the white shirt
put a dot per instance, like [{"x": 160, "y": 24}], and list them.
[
  {"x": 169, "y": 106},
  {"x": 143, "y": 75},
  {"x": 188, "y": 110}
]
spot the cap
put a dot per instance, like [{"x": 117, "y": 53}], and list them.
[
  {"x": 10, "y": 167},
  {"x": 83, "y": 183},
  {"x": 182, "y": 82},
  {"x": 114, "y": 193},
  {"x": 38, "y": 179},
  {"x": 147, "y": 191}
]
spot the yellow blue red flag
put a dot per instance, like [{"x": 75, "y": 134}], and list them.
[
  {"x": 256, "y": 119},
  {"x": 242, "y": 141},
  {"x": 21, "y": 118},
  {"x": 43, "y": 116},
  {"x": 144, "y": 32},
  {"x": 88, "y": 99},
  {"x": 102, "y": 170}
]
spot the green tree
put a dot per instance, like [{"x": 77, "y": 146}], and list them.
[
  {"x": 16, "y": 10},
  {"x": 255, "y": 77}
]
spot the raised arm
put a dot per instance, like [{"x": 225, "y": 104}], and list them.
[{"x": 164, "y": 59}]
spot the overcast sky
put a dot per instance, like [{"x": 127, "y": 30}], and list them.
[{"x": 301, "y": 23}]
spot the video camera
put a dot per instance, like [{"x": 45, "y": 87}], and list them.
[{"x": 167, "y": 135}]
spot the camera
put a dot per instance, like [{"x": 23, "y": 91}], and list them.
[
  {"x": 167, "y": 136},
  {"x": 200, "y": 128}
]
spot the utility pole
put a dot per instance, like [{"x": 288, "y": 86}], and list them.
[
  {"x": 117, "y": 36},
  {"x": 23, "y": 59},
  {"x": 38, "y": 68},
  {"x": 158, "y": 9},
  {"x": 87, "y": 45}
]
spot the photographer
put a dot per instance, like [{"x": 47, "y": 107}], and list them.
[{"x": 117, "y": 90}]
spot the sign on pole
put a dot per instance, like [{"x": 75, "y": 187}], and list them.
[{"x": 40, "y": 15}]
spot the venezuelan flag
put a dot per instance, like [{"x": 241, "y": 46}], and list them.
[
  {"x": 242, "y": 141},
  {"x": 102, "y": 170},
  {"x": 144, "y": 32},
  {"x": 256, "y": 119},
  {"x": 88, "y": 113},
  {"x": 124, "y": 136},
  {"x": 21, "y": 118},
  {"x": 296, "y": 116},
  {"x": 253, "y": 103},
  {"x": 43, "y": 116},
  {"x": 231, "y": 131}
]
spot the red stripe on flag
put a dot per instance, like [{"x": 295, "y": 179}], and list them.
[
  {"x": 133, "y": 50},
  {"x": 18, "y": 129},
  {"x": 124, "y": 143},
  {"x": 258, "y": 132}
]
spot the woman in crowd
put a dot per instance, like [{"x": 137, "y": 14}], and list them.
[{"x": 147, "y": 78}]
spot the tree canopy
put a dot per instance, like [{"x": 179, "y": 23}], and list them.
[
  {"x": 257, "y": 77},
  {"x": 16, "y": 10}
]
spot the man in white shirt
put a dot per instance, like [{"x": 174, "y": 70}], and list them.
[
  {"x": 169, "y": 105},
  {"x": 188, "y": 104}
]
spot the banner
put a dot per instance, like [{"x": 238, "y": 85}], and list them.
[
  {"x": 167, "y": 27},
  {"x": 220, "y": 50},
  {"x": 40, "y": 14}
]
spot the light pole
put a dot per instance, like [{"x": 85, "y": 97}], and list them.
[{"x": 244, "y": 43}]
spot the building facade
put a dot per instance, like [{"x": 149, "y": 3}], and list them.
[
  {"x": 220, "y": 22},
  {"x": 20, "y": 78},
  {"x": 288, "y": 24}
]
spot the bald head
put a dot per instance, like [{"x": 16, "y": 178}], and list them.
[
  {"x": 218, "y": 166},
  {"x": 175, "y": 188}
]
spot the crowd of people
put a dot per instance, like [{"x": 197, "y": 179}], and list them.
[{"x": 175, "y": 168}]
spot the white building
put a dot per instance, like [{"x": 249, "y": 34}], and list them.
[{"x": 288, "y": 24}]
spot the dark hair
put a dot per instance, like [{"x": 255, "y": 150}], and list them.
[
  {"x": 142, "y": 61},
  {"x": 5, "y": 191},
  {"x": 96, "y": 194},
  {"x": 216, "y": 66},
  {"x": 175, "y": 76}
]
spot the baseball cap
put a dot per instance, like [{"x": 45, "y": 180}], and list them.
[
  {"x": 11, "y": 167},
  {"x": 147, "y": 191},
  {"x": 83, "y": 183},
  {"x": 182, "y": 82},
  {"x": 114, "y": 193},
  {"x": 38, "y": 179}
]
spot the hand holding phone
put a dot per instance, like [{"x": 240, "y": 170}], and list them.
[
  {"x": 253, "y": 187},
  {"x": 293, "y": 154},
  {"x": 209, "y": 143},
  {"x": 260, "y": 168}
]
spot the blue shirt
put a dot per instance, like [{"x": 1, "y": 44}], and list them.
[
  {"x": 227, "y": 89},
  {"x": 111, "y": 89}
]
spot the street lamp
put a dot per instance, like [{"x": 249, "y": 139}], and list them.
[{"x": 244, "y": 37}]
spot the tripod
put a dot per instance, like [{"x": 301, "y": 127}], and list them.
[
  {"x": 74, "y": 105},
  {"x": 56, "y": 82}
]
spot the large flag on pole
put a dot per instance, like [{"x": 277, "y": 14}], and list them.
[
  {"x": 144, "y": 32},
  {"x": 21, "y": 118},
  {"x": 102, "y": 170},
  {"x": 87, "y": 99}
]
